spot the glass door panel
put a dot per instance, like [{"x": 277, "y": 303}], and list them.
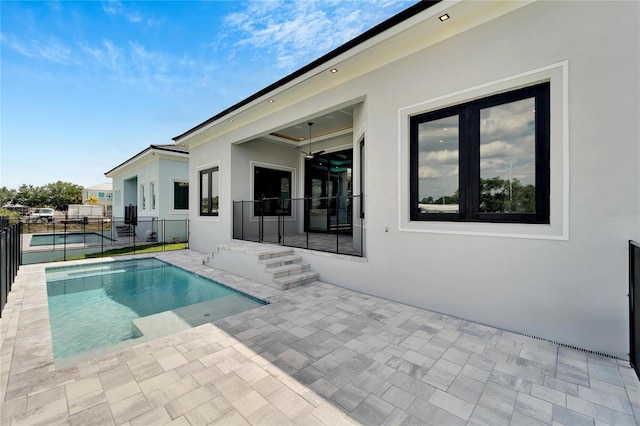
[{"x": 328, "y": 185}]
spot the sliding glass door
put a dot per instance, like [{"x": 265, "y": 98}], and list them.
[{"x": 328, "y": 188}]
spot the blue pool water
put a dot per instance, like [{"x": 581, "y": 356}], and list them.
[
  {"x": 70, "y": 238},
  {"x": 91, "y": 306}
]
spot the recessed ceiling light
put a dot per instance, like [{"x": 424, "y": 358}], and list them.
[
  {"x": 334, "y": 70},
  {"x": 230, "y": 120},
  {"x": 444, "y": 17},
  {"x": 271, "y": 101}
]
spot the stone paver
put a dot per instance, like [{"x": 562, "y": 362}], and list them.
[{"x": 316, "y": 355}]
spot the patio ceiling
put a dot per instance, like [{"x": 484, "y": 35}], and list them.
[{"x": 331, "y": 124}]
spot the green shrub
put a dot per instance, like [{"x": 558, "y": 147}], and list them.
[{"x": 14, "y": 217}]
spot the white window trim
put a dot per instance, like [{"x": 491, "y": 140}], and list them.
[
  {"x": 142, "y": 201},
  {"x": 173, "y": 181},
  {"x": 558, "y": 229},
  {"x": 153, "y": 206},
  {"x": 253, "y": 165}
]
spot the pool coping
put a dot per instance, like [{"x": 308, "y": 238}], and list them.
[{"x": 30, "y": 298}]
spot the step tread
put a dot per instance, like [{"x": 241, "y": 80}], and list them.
[
  {"x": 288, "y": 268},
  {"x": 281, "y": 260},
  {"x": 304, "y": 276}
]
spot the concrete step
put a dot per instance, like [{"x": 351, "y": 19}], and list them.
[
  {"x": 276, "y": 266},
  {"x": 270, "y": 253},
  {"x": 296, "y": 280},
  {"x": 281, "y": 260},
  {"x": 286, "y": 270}
]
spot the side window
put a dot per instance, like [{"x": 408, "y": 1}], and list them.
[
  {"x": 485, "y": 161},
  {"x": 209, "y": 192},
  {"x": 180, "y": 195},
  {"x": 143, "y": 198},
  {"x": 152, "y": 195},
  {"x": 274, "y": 187}
]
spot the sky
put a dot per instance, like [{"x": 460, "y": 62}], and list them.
[{"x": 86, "y": 85}]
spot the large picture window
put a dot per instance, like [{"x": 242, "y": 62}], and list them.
[
  {"x": 209, "y": 192},
  {"x": 486, "y": 160},
  {"x": 274, "y": 187}
]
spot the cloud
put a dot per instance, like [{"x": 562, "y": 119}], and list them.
[
  {"x": 152, "y": 70},
  {"x": 437, "y": 172},
  {"x": 116, "y": 8},
  {"x": 51, "y": 49},
  {"x": 295, "y": 32}
]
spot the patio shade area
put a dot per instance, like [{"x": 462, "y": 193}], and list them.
[{"x": 316, "y": 355}]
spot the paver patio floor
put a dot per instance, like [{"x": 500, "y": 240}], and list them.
[{"x": 316, "y": 355}]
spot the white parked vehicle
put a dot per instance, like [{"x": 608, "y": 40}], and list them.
[{"x": 43, "y": 214}]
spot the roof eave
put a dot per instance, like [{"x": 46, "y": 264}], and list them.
[
  {"x": 378, "y": 29},
  {"x": 145, "y": 152}
]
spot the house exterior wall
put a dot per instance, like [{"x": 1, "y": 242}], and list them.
[
  {"x": 104, "y": 196},
  {"x": 205, "y": 232},
  {"x": 170, "y": 171},
  {"x": 567, "y": 281},
  {"x": 158, "y": 170}
]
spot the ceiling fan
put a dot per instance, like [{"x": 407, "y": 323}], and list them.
[{"x": 309, "y": 155}]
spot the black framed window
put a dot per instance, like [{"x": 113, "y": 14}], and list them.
[
  {"x": 274, "y": 187},
  {"x": 485, "y": 160},
  {"x": 209, "y": 192},
  {"x": 180, "y": 195}
]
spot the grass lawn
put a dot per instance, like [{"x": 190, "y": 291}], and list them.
[{"x": 147, "y": 248}]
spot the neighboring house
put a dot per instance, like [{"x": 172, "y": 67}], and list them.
[
  {"x": 103, "y": 193},
  {"x": 156, "y": 181},
  {"x": 498, "y": 151}
]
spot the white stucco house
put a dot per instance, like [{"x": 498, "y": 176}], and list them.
[
  {"x": 495, "y": 145},
  {"x": 103, "y": 192},
  {"x": 156, "y": 181}
]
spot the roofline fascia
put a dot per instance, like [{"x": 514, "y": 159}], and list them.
[
  {"x": 378, "y": 29},
  {"x": 143, "y": 153}
]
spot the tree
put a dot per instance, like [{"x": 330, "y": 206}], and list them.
[
  {"x": 60, "y": 194},
  {"x": 56, "y": 195},
  {"x": 92, "y": 200},
  {"x": 7, "y": 196},
  {"x": 504, "y": 196}
]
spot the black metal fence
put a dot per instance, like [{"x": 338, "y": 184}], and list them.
[
  {"x": 9, "y": 257},
  {"x": 328, "y": 224},
  {"x": 68, "y": 239},
  {"x": 634, "y": 305}
]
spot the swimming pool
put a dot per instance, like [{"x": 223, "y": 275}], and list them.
[
  {"x": 71, "y": 238},
  {"x": 102, "y": 304}
]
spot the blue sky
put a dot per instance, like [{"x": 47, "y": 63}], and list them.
[{"x": 86, "y": 85}]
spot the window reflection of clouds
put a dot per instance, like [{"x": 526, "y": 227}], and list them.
[
  {"x": 438, "y": 157},
  {"x": 507, "y": 141}
]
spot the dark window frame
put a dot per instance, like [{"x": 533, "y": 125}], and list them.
[
  {"x": 469, "y": 158},
  {"x": 209, "y": 173},
  {"x": 178, "y": 184},
  {"x": 271, "y": 202}
]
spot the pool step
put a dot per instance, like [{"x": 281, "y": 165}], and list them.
[
  {"x": 180, "y": 319},
  {"x": 275, "y": 266}
]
